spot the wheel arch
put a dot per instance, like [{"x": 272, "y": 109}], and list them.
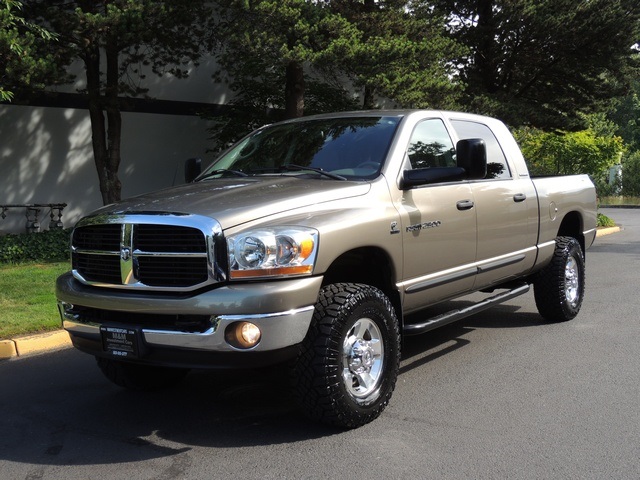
[
  {"x": 572, "y": 226},
  {"x": 369, "y": 265}
]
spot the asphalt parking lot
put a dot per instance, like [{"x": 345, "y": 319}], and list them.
[{"x": 497, "y": 395}]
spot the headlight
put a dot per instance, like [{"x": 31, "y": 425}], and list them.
[{"x": 272, "y": 252}]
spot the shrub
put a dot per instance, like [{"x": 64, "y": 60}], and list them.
[
  {"x": 566, "y": 153},
  {"x": 47, "y": 246},
  {"x": 604, "y": 221}
]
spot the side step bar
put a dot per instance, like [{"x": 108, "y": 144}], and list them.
[{"x": 454, "y": 315}]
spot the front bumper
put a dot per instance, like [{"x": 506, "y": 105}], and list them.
[{"x": 281, "y": 309}]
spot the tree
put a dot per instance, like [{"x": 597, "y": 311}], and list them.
[
  {"x": 538, "y": 62},
  {"x": 626, "y": 115},
  {"x": 119, "y": 42},
  {"x": 287, "y": 58},
  {"x": 403, "y": 54},
  {"x": 278, "y": 57},
  {"x": 22, "y": 61},
  {"x": 271, "y": 41}
]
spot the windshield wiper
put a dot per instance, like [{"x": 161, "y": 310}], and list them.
[
  {"x": 221, "y": 171},
  {"x": 293, "y": 166}
]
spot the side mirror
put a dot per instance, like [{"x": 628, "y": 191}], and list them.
[
  {"x": 471, "y": 154},
  {"x": 192, "y": 168}
]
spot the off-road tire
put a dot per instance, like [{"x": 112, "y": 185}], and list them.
[
  {"x": 559, "y": 287},
  {"x": 348, "y": 363},
  {"x": 134, "y": 376}
]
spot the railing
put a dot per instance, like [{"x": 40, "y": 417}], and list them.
[{"x": 33, "y": 211}]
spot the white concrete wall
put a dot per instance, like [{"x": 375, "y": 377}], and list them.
[
  {"x": 46, "y": 154},
  {"x": 46, "y": 157}
]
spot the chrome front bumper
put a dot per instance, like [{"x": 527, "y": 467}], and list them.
[
  {"x": 281, "y": 309},
  {"x": 279, "y": 330}
]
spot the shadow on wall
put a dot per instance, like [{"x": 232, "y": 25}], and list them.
[{"x": 46, "y": 157}]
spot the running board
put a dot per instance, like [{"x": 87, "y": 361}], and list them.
[{"x": 454, "y": 315}]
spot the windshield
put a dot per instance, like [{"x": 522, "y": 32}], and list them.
[{"x": 352, "y": 148}]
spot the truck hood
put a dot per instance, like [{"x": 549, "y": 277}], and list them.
[{"x": 233, "y": 201}]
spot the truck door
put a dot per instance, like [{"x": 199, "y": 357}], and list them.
[
  {"x": 438, "y": 224},
  {"x": 507, "y": 212}
]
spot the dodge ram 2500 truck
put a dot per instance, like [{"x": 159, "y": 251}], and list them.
[{"x": 310, "y": 241}]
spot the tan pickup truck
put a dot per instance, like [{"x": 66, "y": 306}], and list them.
[{"x": 308, "y": 243}]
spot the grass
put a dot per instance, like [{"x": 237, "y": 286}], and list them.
[
  {"x": 27, "y": 298},
  {"x": 605, "y": 201}
]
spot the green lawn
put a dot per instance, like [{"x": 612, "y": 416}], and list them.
[
  {"x": 27, "y": 299},
  {"x": 605, "y": 201}
]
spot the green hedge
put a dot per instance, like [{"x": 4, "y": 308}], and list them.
[{"x": 46, "y": 246}]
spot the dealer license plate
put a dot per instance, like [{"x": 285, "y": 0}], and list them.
[{"x": 120, "y": 341}]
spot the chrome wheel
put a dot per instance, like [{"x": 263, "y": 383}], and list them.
[
  {"x": 572, "y": 281},
  {"x": 362, "y": 359}
]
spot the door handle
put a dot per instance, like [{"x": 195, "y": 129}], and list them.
[
  {"x": 519, "y": 197},
  {"x": 464, "y": 205}
]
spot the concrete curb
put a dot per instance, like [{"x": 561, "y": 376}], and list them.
[
  {"x": 46, "y": 342},
  {"x": 34, "y": 344},
  {"x": 607, "y": 231}
]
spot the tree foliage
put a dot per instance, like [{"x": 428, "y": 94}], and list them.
[
  {"x": 286, "y": 58},
  {"x": 630, "y": 175},
  {"x": 538, "y": 62},
  {"x": 626, "y": 116},
  {"x": 275, "y": 41},
  {"x": 267, "y": 50},
  {"x": 23, "y": 61},
  {"x": 403, "y": 53}
]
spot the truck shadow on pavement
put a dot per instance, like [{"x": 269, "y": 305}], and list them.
[
  {"x": 59, "y": 410},
  {"x": 419, "y": 350}
]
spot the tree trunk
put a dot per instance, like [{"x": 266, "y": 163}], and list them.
[
  {"x": 105, "y": 132},
  {"x": 487, "y": 56},
  {"x": 369, "y": 100},
  {"x": 114, "y": 121},
  {"x": 294, "y": 90}
]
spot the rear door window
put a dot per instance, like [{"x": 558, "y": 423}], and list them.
[{"x": 497, "y": 167}]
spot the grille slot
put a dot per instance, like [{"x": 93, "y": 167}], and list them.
[
  {"x": 179, "y": 323},
  {"x": 144, "y": 254},
  {"x": 98, "y": 268},
  {"x": 167, "y": 238},
  {"x": 98, "y": 237},
  {"x": 172, "y": 271}
]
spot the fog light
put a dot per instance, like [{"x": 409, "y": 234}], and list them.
[{"x": 243, "y": 334}]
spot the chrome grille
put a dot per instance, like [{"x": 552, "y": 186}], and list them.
[{"x": 162, "y": 252}]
